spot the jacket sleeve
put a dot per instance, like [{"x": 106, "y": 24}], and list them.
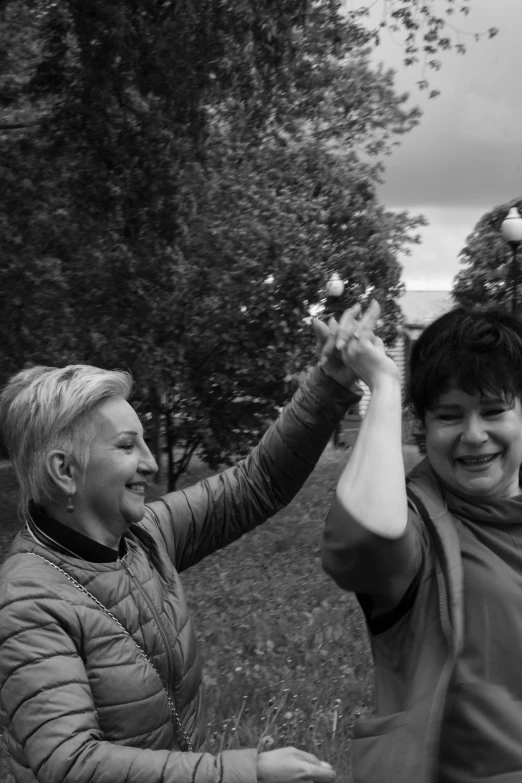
[
  {"x": 197, "y": 521},
  {"x": 364, "y": 562},
  {"x": 47, "y": 707}
]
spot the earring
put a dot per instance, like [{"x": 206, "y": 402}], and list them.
[{"x": 69, "y": 507}]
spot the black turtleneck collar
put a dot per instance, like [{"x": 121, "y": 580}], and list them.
[{"x": 64, "y": 539}]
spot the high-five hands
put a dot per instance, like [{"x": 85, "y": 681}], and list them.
[
  {"x": 361, "y": 350},
  {"x": 332, "y": 359},
  {"x": 290, "y": 765}
]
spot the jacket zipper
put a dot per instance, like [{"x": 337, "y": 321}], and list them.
[
  {"x": 436, "y": 717},
  {"x": 159, "y": 622}
]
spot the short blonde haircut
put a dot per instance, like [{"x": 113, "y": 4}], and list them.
[{"x": 46, "y": 408}]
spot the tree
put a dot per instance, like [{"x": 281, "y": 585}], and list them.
[
  {"x": 179, "y": 183},
  {"x": 488, "y": 275},
  {"x": 428, "y": 29},
  {"x": 258, "y": 275}
]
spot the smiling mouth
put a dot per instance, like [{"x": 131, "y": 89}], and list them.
[
  {"x": 476, "y": 462},
  {"x": 137, "y": 489}
]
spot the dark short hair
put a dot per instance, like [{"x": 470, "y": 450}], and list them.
[{"x": 478, "y": 350}]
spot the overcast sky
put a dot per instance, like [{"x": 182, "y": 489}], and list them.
[{"x": 466, "y": 155}]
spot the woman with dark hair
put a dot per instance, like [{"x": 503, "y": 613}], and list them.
[{"x": 436, "y": 560}]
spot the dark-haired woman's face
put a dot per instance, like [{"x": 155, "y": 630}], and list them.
[{"x": 474, "y": 443}]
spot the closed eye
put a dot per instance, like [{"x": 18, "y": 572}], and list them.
[{"x": 449, "y": 417}]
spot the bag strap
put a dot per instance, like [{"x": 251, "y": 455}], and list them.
[
  {"x": 451, "y": 617},
  {"x": 450, "y": 598},
  {"x": 82, "y": 589}
]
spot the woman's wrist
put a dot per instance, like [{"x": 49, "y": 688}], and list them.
[{"x": 386, "y": 382}]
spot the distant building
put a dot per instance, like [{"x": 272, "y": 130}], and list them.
[{"x": 419, "y": 309}]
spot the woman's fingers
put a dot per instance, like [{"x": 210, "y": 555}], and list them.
[
  {"x": 369, "y": 320},
  {"x": 371, "y": 315},
  {"x": 349, "y": 322},
  {"x": 290, "y": 765},
  {"x": 322, "y": 332},
  {"x": 350, "y": 327},
  {"x": 355, "y": 311},
  {"x": 321, "y": 771}
]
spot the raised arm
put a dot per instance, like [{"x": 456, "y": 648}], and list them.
[
  {"x": 368, "y": 546},
  {"x": 199, "y": 520},
  {"x": 211, "y": 514}
]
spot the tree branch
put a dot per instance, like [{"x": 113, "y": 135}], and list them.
[{"x": 18, "y": 125}]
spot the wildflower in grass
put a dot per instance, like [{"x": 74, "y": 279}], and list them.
[{"x": 265, "y": 743}]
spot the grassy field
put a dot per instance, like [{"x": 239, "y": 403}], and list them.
[{"x": 286, "y": 654}]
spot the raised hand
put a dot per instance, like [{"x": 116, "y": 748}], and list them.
[
  {"x": 361, "y": 350},
  {"x": 331, "y": 358},
  {"x": 290, "y": 765}
]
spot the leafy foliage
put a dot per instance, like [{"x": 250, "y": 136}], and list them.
[
  {"x": 429, "y": 28},
  {"x": 180, "y": 181},
  {"x": 489, "y": 273}
]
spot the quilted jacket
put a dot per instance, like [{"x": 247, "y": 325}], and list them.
[{"x": 78, "y": 701}]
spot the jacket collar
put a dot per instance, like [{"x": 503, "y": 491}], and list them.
[{"x": 55, "y": 535}]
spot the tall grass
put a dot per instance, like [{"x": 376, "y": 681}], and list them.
[{"x": 286, "y": 655}]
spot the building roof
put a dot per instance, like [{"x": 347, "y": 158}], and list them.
[{"x": 422, "y": 307}]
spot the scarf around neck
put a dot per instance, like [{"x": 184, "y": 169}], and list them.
[{"x": 489, "y": 511}]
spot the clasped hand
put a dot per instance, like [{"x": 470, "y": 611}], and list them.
[{"x": 350, "y": 349}]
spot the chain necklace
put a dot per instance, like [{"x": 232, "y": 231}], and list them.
[
  {"x": 30, "y": 521},
  {"x": 82, "y": 589}
]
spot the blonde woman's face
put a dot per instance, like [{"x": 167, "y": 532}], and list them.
[
  {"x": 111, "y": 493},
  {"x": 474, "y": 443}
]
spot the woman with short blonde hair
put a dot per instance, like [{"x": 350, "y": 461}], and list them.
[
  {"x": 44, "y": 408},
  {"x": 100, "y": 673}
]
